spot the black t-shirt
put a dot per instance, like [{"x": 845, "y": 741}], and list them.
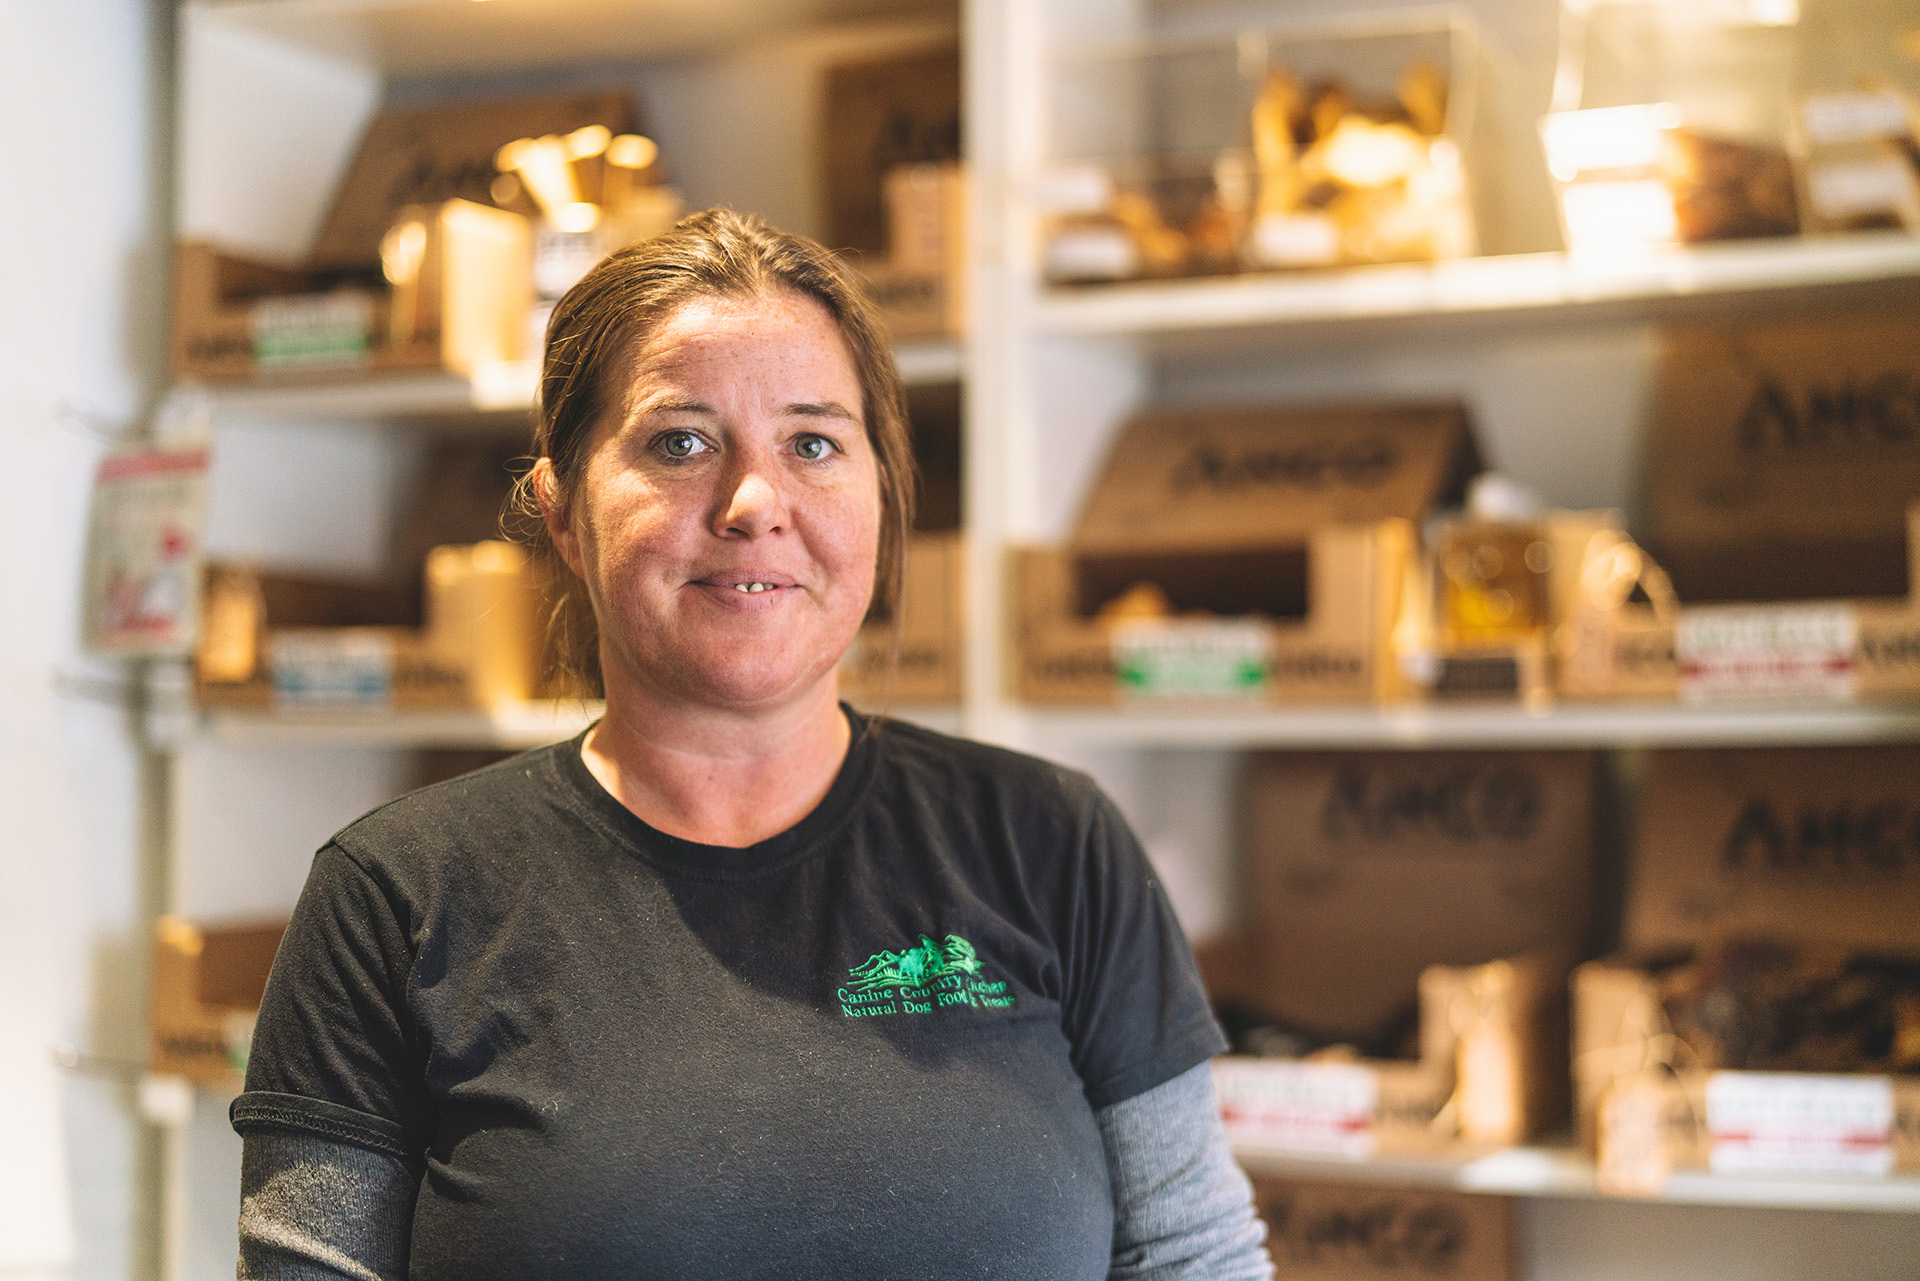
[{"x": 871, "y": 1046}]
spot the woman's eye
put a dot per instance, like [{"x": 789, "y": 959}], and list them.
[
  {"x": 813, "y": 448},
  {"x": 681, "y": 444}
]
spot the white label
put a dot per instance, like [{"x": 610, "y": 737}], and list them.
[
  {"x": 561, "y": 258},
  {"x": 1745, "y": 651},
  {"x": 1295, "y": 240},
  {"x": 1792, "y": 1122},
  {"x": 312, "y": 329},
  {"x": 329, "y": 667},
  {"x": 1312, "y": 1107},
  {"x": 1852, "y": 117},
  {"x": 1860, "y": 187},
  {"x": 1091, "y": 253},
  {"x": 1182, "y": 658},
  {"x": 1073, "y": 189}
]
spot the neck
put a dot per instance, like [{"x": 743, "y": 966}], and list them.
[{"x": 719, "y": 778}]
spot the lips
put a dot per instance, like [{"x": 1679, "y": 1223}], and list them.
[{"x": 746, "y": 582}]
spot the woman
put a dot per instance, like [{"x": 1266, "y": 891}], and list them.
[{"x": 739, "y": 983}]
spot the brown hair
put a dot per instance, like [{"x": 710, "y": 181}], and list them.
[{"x": 606, "y": 316}]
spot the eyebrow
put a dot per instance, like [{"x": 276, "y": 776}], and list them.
[
  {"x": 823, "y": 409},
  {"x": 670, "y": 402}
]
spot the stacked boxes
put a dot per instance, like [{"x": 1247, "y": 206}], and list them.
[
  {"x": 1249, "y": 555},
  {"x": 1758, "y": 876},
  {"x": 271, "y": 640},
  {"x": 206, "y": 989},
  {"x": 1453, "y": 885}
]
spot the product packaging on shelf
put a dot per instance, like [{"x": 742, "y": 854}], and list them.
[
  {"x": 926, "y": 666},
  {"x": 1272, "y": 149},
  {"x": 1670, "y": 124},
  {"x": 1782, "y": 455},
  {"x": 1247, "y": 556},
  {"x": 1454, "y": 885},
  {"x": 1780, "y": 465},
  {"x": 207, "y": 983},
  {"x": 1765, "y": 1015},
  {"x": 1372, "y": 1232},
  {"x": 454, "y": 295},
  {"x": 919, "y": 284},
  {"x": 280, "y": 641},
  {"x": 427, "y": 258},
  {"x": 1857, "y": 116},
  {"x": 1484, "y": 619}
]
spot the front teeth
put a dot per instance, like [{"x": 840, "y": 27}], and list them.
[{"x": 752, "y": 587}]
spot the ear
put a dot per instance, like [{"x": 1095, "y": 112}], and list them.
[{"x": 546, "y": 491}]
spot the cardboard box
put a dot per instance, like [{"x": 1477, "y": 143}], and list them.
[
  {"x": 1783, "y": 455},
  {"x": 920, "y": 283},
  {"x": 1647, "y": 645},
  {"x": 1814, "y": 845},
  {"x": 927, "y": 668},
  {"x": 1369, "y": 1232},
  {"x": 207, "y": 984},
  {"x": 1491, "y": 1071},
  {"x": 1363, "y": 869},
  {"x": 273, "y": 640},
  {"x": 1615, "y": 613},
  {"x": 429, "y": 155},
  {"x": 880, "y": 114},
  {"x": 1290, "y": 531},
  {"x": 1811, "y": 847},
  {"x": 462, "y": 302}
]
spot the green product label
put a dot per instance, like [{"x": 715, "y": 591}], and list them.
[
  {"x": 1197, "y": 659},
  {"x": 926, "y": 977}
]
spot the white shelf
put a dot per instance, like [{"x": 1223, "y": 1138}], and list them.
[
  {"x": 511, "y": 728},
  {"x": 506, "y": 389},
  {"x": 1566, "y": 725},
  {"x": 1522, "y": 284},
  {"x": 504, "y": 728},
  {"x": 457, "y": 37},
  {"x": 1569, "y": 1173}
]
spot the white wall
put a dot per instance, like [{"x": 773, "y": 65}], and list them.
[{"x": 81, "y": 266}]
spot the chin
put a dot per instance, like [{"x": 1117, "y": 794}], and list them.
[{"x": 748, "y": 682}]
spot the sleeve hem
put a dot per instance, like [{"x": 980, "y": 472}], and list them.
[
  {"x": 265, "y": 1110},
  {"x": 1201, "y": 1041}
]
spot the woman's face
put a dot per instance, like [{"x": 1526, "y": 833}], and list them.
[{"x": 726, "y": 519}]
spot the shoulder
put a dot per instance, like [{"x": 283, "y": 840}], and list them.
[
  {"x": 987, "y": 784},
  {"x": 499, "y": 805}
]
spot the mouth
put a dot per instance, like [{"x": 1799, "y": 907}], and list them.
[{"x": 749, "y": 583}]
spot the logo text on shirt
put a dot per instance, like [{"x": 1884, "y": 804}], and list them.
[{"x": 926, "y": 977}]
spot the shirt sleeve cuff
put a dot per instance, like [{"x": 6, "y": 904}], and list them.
[{"x": 264, "y": 1110}]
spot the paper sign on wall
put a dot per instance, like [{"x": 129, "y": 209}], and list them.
[{"x": 143, "y": 551}]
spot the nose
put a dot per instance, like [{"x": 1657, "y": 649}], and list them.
[{"x": 754, "y": 506}]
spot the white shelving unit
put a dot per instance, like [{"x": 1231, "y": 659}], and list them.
[
  {"x": 1551, "y": 351},
  {"x": 1553, "y": 354},
  {"x": 1519, "y": 288},
  {"x": 1568, "y": 1174},
  {"x": 273, "y": 97}
]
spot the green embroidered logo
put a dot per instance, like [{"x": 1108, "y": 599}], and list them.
[{"x": 921, "y": 980}]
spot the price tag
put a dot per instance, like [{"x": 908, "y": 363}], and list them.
[
  {"x": 1854, "y": 188},
  {"x": 1181, "y": 658},
  {"x": 312, "y": 330},
  {"x": 1747, "y": 651},
  {"x": 331, "y": 667},
  {"x": 1800, "y": 1123},
  {"x": 1853, "y": 117},
  {"x": 1091, "y": 253},
  {"x": 1310, "y": 1107}
]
